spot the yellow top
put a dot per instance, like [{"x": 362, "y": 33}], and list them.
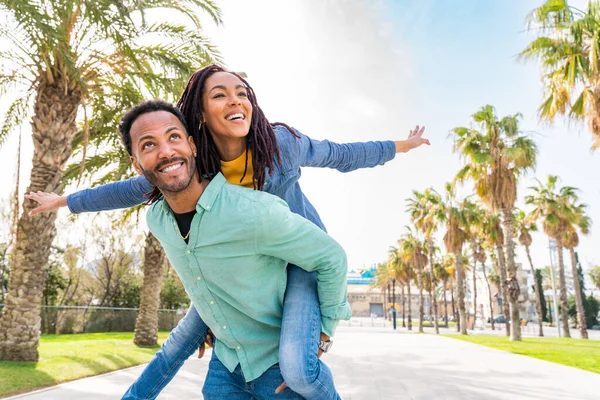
[{"x": 234, "y": 169}]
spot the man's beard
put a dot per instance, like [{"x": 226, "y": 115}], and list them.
[{"x": 179, "y": 184}]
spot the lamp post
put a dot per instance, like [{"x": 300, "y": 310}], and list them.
[{"x": 394, "y": 302}]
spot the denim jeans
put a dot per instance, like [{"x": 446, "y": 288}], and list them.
[
  {"x": 302, "y": 371},
  {"x": 222, "y": 384}
]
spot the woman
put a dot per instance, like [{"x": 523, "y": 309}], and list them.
[{"x": 233, "y": 136}]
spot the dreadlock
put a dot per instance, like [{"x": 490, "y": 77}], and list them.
[{"x": 260, "y": 139}]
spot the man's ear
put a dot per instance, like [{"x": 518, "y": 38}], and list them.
[
  {"x": 136, "y": 165},
  {"x": 192, "y": 145}
]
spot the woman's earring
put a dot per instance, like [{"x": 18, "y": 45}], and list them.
[{"x": 195, "y": 154}]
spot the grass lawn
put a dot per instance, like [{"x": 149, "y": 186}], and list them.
[
  {"x": 68, "y": 357},
  {"x": 578, "y": 353}
]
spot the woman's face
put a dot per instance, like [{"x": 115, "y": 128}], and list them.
[{"x": 227, "y": 110}]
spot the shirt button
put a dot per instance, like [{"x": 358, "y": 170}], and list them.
[
  {"x": 199, "y": 278},
  {"x": 238, "y": 347},
  {"x": 188, "y": 252},
  {"x": 208, "y": 207},
  {"x": 212, "y": 302},
  {"x": 224, "y": 326}
]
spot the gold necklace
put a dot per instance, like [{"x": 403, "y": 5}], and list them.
[{"x": 186, "y": 236}]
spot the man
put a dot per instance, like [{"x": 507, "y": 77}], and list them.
[{"x": 230, "y": 246}]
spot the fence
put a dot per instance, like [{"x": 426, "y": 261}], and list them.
[{"x": 81, "y": 319}]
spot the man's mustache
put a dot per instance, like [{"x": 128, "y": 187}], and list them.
[{"x": 170, "y": 161}]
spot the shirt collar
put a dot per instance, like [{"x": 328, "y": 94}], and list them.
[{"x": 208, "y": 197}]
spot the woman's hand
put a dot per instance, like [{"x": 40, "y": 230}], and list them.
[
  {"x": 47, "y": 202},
  {"x": 415, "y": 139}
]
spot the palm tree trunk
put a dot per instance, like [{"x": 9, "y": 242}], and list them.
[
  {"x": 420, "y": 279},
  {"x": 385, "y": 301},
  {"x": 146, "y": 325},
  {"x": 409, "y": 310},
  {"x": 473, "y": 247},
  {"x": 487, "y": 282},
  {"x": 432, "y": 277},
  {"x": 445, "y": 305},
  {"x": 503, "y": 287},
  {"x": 462, "y": 312},
  {"x": 578, "y": 300},
  {"x": 564, "y": 310},
  {"x": 403, "y": 305},
  {"x": 454, "y": 313},
  {"x": 53, "y": 128},
  {"x": 511, "y": 267},
  {"x": 538, "y": 301}
]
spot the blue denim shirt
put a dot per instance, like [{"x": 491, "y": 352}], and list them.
[{"x": 295, "y": 153}]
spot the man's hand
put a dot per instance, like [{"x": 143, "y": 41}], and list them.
[
  {"x": 208, "y": 341},
  {"x": 48, "y": 202},
  {"x": 324, "y": 338},
  {"x": 415, "y": 139}
]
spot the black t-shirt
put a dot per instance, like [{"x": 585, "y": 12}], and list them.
[{"x": 184, "y": 222}]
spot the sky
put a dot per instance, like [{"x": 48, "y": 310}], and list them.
[{"x": 364, "y": 70}]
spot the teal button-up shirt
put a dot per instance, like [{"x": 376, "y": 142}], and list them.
[{"x": 234, "y": 269}]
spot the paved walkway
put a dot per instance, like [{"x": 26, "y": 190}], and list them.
[{"x": 372, "y": 363}]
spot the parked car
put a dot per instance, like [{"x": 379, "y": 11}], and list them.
[{"x": 499, "y": 319}]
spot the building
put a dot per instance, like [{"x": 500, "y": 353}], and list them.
[{"x": 364, "y": 299}]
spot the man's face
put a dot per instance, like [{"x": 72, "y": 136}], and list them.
[{"x": 162, "y": 151}]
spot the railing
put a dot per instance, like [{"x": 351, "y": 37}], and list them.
[{"x": 80, "y": 319}]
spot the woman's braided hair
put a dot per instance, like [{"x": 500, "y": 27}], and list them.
[{"x": 260, "y": 139}]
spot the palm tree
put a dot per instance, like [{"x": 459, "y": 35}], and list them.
[
  {"x": 482, "y": 257},
  {"x": 594, "y": 274},
  {"x": 442, "y": 274},
  {"x": 426, "y": 210},
  {"x": 554, "y": 208},
  {"x": 474, "y": 216},
  {"x": 454, "y": 239},
  {"x": 406, "y": 275},
  {"x": 496, "y": 156},
  {"x": 571, "y": 240},
  {"x": 567, "y": 49},
  {"x": 413, "y": 253},
  {"x": 523, "y": 229},
  {"x": 382, "y": 281},
  {"x": 495, "y": 239},
  {"x": 73, "y": 58}
]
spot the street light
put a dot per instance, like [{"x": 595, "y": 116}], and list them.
[{"x": 394, "y": 302}]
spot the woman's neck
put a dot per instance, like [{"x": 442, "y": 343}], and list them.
[{"x": 230, "y": 149}]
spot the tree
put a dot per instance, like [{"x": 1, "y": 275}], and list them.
[
  {"x": 413, "y": 252},
  {"x": 495, "y": 239},
  {"x": 442, "y": 274},
  {"x": 426, "y": 211},
  {"x": 146, "y": 325},
  {"x": 454, "y": 239},
  {"x": 475, "y": 218},
  {"x": 553, "y": 207},
  {"x": 567, "y": 49},
  {"x": 571, "y": 240},
  {"x": 71, "y": 58},
  {"x": 496, "y": 155},
  {"x": 523, "y": 229},
  {"x": 594, "y": 274},
  {"x": 539, "y": 288},
  {"x": 405, "y": 275},
  {"x": 590, "y": 304},
  {"x": 382, "y": 280},
  {"x": 172, "y": 294}
]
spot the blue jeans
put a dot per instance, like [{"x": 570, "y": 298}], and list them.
[
  {"x": 302, "y": 371},
  {"x": 222, "y": 384}
]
